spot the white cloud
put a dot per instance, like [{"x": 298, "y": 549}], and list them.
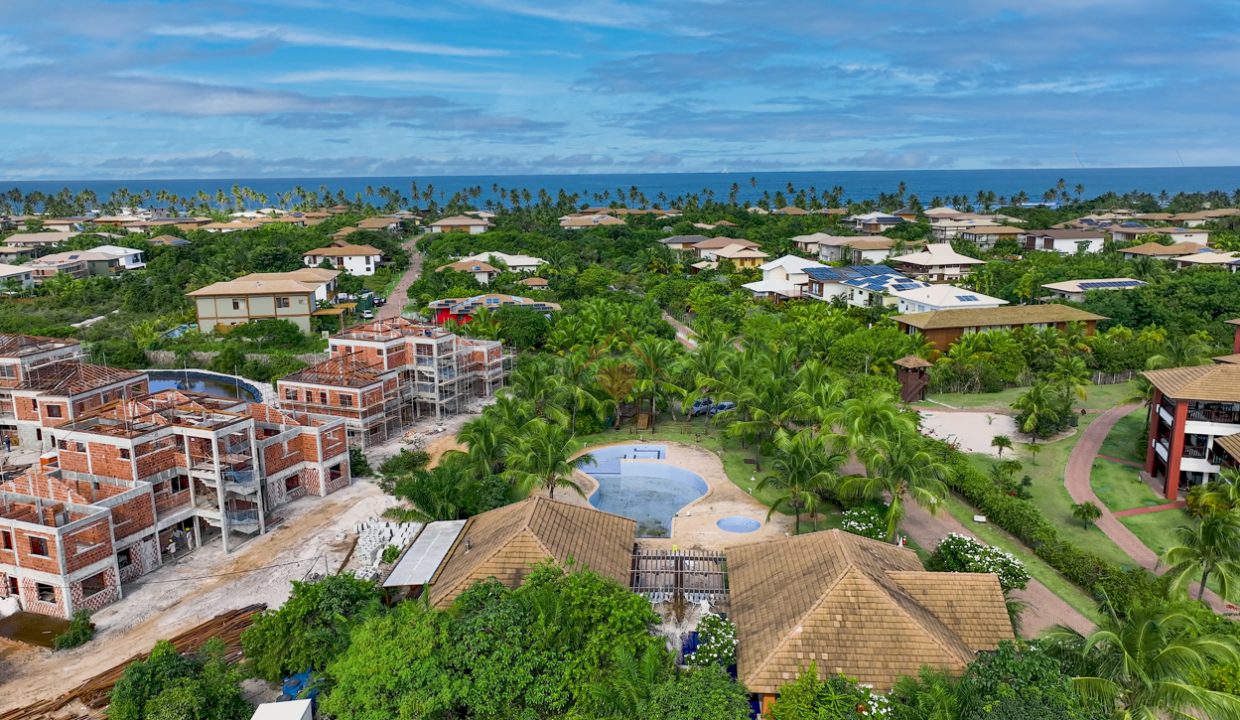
[{"x": 308, "y": 38}]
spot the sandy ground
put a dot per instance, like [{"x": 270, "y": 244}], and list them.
[
  {"x": 972, "y": 430},
  {"x": 694, "y": 526},
  {"x": 315, "y": 536}
]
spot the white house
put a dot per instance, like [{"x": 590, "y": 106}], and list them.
[
  {"x": 784, "y": 277},
  {"x": 874, "y": 222},
  {"x": 1075, "y": 290},
  {"x": 810, "y": 244},
  {"x": 1064, "y": 242},
  {"x": 929, "y": 298},
  {"x": 19, "y": 275},
  {"x": 1226, "y": 260},
  {"x": 937, "y": 263},
  {"x": 858, "y": 285},
  {"x": 286, "y": 710},
  {"x": 1129, "y": 233},
  {"x": 515, "y": 263},
  {"x": 461, "y": 223},
  {"x": 986, "y": 236},
  {"x": 839, "y": 248},
  {"x": 353, "y": 259}
]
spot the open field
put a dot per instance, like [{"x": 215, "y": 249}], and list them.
[{"x": 1099, "y": 397}]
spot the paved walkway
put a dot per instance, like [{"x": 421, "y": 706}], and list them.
[
  {"x": 399, "y": 297},
  {"x": 1077, "y": 481},
  {"x": 1178, "y": 504},
  {"x": 684, "y": 334},
  {"x": 1043, "y": 608}
]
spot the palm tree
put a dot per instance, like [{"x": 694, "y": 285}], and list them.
[
  {"x": 1147, "y": 666},
  {"x": 1071, "y": 375},
  {"x": 616, "y": 379},
  {"x": 1087, "y": 512},
  {"x": 541, "y": 457},
  {"x": 899, "y": 470},
  {"x": 1209, "y": 547},
  {"x": 1001, "y": 443},
  {"x": 872, "y": 418},
  {"x": 486, "y": 441},
  {"x": 1216, "y": 498},
  {"x": 804, "y": 468},
  {"x": 1038, "y": 404},
  {"x": 655, "y": 362},
  {"x": 1181, "y": 350}
]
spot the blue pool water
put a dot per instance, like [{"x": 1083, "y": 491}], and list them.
[
  {"x": 649, "y": 492},
  {"x": 738, "y": 524}
]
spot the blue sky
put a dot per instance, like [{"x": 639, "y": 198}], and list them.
[{"x": 246, "y": 88}]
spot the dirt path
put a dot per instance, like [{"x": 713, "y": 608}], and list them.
[
  {"x": 1044, "y": 609},
  {"x": 1077, "y": 481},
  {"x": 399, "y": 297},
  {"x": 314, "y": 536}
]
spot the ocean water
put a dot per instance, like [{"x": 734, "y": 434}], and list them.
[{"x": 858, "y": 185}]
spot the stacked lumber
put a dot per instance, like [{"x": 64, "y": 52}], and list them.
[{"x": 95, "y": 692}]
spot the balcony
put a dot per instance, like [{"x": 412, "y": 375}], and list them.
[
  {"x": 1195, "y": 452},
  {"x": 1225, "y": 417}
]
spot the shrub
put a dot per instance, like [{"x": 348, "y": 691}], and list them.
[
  {"x": 716, "y": 643},
  {"x": 390, "y": 553},
  {"x": 359, "y": 466},
  {"x": 867, "y": 521},
  {"x": 957, "y": 553},
  {"x": 404, "y": 462},
  {"x": 79, "y": 632}
]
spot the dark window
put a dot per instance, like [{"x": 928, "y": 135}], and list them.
[
  {"x": 45, "y": 592},
  {"x": 54, "y": 411},
  {"x": 94, "y": 584},
  {"x": 236, "y": 304},
  {"x": 124, "y": 453},
  {"x": 323, "y": 398},
  {"x": 346, "y": 401},
  {"x": 179, "y": 483},
  {"x": 292, "y": 482},
  {"x": 38, "y": 546},
  {"x": 283, "y": 303},
  {"x": 15, "y": 589},
  {"x": 290, "y": 394},
  {"x": 6, "y": 540},
  {"x": 123, "y": 560}
]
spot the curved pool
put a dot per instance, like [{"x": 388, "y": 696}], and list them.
[
  {"x": 738, "y": 524},
  {"x": 634, "y": 484}
]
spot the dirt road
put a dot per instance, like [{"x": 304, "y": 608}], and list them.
[{"x": 399, "y": 297}]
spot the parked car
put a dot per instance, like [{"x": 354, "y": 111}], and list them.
[
  {"x": 380, "y": 301},
  {"x": 701, "y": 406},
  {"x": 368, "y": 315},
  {"x": 722, "y": 407}
]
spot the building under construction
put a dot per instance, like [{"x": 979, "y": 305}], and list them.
[{"x": 385, "y": 375}]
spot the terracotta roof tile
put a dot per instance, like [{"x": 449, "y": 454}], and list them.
[{"x": 1217, "y": 382}]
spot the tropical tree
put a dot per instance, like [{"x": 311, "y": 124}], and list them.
[
  {"x": 1070, "y": 375},
  {"x": 805, "y": 467},
  {"x": 1087, "y": 512},
  {"x": 1216, "y": 498},
  {"x": 1210, "y": 547},
  {"x": 656, "y": 359},
  {"x": 617, "y": 379},
  {"x": 1001, "y": 443},
  {"x": 1181, "y": 350},
  {"x": 485, "y": 441},
  {"x": 541, "y": 457},
  {"x": 1147, "y": 666},
  {"x": 898, "y": 469}
]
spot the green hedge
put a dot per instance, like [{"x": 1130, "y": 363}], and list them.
[{"x": 1097, "y": 576}]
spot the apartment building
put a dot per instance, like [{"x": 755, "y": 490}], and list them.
[
  {"x": 139, "y": 480},
  {"x": 292, "y": 296},
  {"x": 357, "y": 260},
  {"x": 1193, "y": 408},
  {"x": 44, "y": 383},
  {"x": 384, "y": 375}
]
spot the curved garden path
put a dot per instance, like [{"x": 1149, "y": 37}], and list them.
[
  {"x": 399, "y": 297},
  {"x": 1077, "y": 481}
]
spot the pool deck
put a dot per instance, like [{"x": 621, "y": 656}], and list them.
[{"x": 694, "y": 526}]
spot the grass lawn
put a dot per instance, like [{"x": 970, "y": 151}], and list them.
[
  {"x": 1122, "y": 442},
  {"x": 1100, "y": 397},
  {"x": 1119, "y": 487},
  {"x": 1154, "y": 529},
  {"x": 1037, "y": 567}
]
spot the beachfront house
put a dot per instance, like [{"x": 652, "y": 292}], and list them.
[{"x": 353, "y": 259}]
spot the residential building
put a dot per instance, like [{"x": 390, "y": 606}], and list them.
[
  {"x": 168, "y": 240},
  {"x": 1191, "y": 409},
  {"x": 739, "y": 255},
  {"x": 948, "y": 224},
  {"x": 505, "y": 543},
  {"x": 292, "y": 296},
  {"x": 1159, "y": 251},
  {"x": 809, "y": 244},
  {"x": 869, "y": 250},
  {"x": 578, "y": 222},
  {"x": 104, "y": 260},
  {"x": 462, "y": 310},
  {"x": 1064, "y": 242},
  {"x": 461, "y": 223},
  {"x": 1229, "y": 261},
  {"x": 17, "y": 277},
  {"x": 930, "y": 298},
  {"x": 515, "y": 263},
  {"x": 14, "y": 254},
  {"x": 683, "y": 242},
  {"x": 535, "y": 283},
  {"x": 40, "y": 242},
  {"x": 1075, "y": 290},
  {"x": 942, "y": 328},
  {"x": 142, "y": 479},
  {"x": 230, "y": 226},
  {"x": 481, "y": 271},
  {"x": 858, "y": 285},
  {"x": 1127, "y": 233},
  {"x": 985, "y": 236},
  {"x": 854, "y": 606},
  {"x": 354, "y": 259},
  {"x": 790, "y": 210},
  {"x": 937, "y": 263},
  {"x": 706, "y": 248},
  {"x": 839, "y": 248},
  {"x": 874, "y": 222},
  {"x": 435, "y": 373},
  {"x": 784, "y": 277},
  {"x": 386, "y": 224}
]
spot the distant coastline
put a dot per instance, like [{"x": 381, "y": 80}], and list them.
[{"x": 858, "y": 185}]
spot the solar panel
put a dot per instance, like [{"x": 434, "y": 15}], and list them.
[
  {"x": 967, "y": 298},
  {"x": 1099, "y": 284}
]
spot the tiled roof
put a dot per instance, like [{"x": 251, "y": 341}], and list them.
[
  {"x": 506, "y": 542},
  {"x": 913, "y": 362},
  {"x": 1230, "y": 444},
  {"x": 344, "y": 250},
  {"x": 718, "y": 243},
  {"x": 72, "y": 378},
  {"x": 19, "y": 345},
  {"x": 458, "y": 220},
  {"x": 937, "y": 254},
  {"x": 1000, "y": 316},
  {"x": 1218, "y": 382},
  {"x": 1153, "y": 249},
  {"x": 468, "y": 266},
  {"x": 338, "y": 371},
  {"x": 855, "y": 606}
]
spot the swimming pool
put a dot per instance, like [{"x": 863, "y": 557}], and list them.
[{"x": 651, "y": 493}]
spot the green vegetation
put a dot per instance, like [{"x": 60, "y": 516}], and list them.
[
  {"x": 79, "y": 632},
  {"x": 167, "y": 685},
  {"x": 1126, "y": 440}
]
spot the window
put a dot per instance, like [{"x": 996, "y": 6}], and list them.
[
  {"x": 15, "y": 589},
  {"x": 45, "y": 593},
  {"x": 290, "y": 394},
  {"x": 8, "y": 371},
  {"x": 323, "y": 398},
  {"x": 6, "y": 540},
  {"x": 124, "y": 453},
  {"x": 346, "y": 401},
  {"x": 179, "y": 483},
  {"x": 283, "y": 303},
  {"x": 38, "y": 546},
  {"x": 94, "y": 584},
  {"x": 34, "y": 404}
]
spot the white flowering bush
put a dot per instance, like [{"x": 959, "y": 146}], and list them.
[
  {"x": 866, "y": 521},
  {"x": 716, "y": 643},
  {"x": 958, "y": 553}
]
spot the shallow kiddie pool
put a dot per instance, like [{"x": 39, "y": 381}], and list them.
[{"x": 738, "y": 524}]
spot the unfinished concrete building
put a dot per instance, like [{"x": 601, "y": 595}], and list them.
[
  {"x": 384, "y": 375},
  {"x": 168, "y": 472}
]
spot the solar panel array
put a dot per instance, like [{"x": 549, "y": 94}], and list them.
[
  {"x": 967, "y": 298},
  {"x": 1099, "y": 284}
]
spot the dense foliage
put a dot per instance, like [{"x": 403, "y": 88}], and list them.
[
  {"x": 171, "y": 686},
  {"x": 958, "y": 553},
  {"x": 79, "y": 632}
]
